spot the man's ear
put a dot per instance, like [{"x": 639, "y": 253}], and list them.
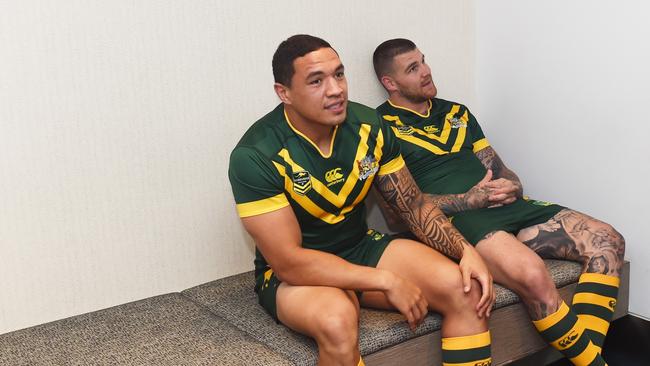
[
  {"x": 388, "y": 83},
  {"x": 283, "y": 93}
]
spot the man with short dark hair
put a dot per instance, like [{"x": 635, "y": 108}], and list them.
[
  {"x": 300, "y": 176},
  {"x": 451, "y": 160}
]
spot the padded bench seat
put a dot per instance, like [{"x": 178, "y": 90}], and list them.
[
  {"x": 162, "y": 330},
  {"x": 233, "y": 299}
]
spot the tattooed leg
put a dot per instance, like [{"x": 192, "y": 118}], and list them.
[
  {"x": 527, "y": 276},
  {"x": 575, "y": 236},
  {"x": 600, "y": 249}
]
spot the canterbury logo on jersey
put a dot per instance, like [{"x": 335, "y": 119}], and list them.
[
  {"x": 333, "y": 176},
  {"x": 612, "y": 304},
  {"x": 568, "y": 340},
  {"x": 301, "y": 182},
  {"x": 431, "y": 129},
  {"x": 484, "y": 363}
]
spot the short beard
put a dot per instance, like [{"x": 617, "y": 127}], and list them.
[{"x": 415, "y": 99}]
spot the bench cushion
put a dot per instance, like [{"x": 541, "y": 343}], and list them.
[
  {"x": 162, "y": 330},
  {"x": 233, "y": 299}
]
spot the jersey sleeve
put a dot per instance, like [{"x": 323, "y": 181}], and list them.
[
  {"x": 391, "y": 159},
  {"x": 256, "y": 184},
  {"x": 479, "y": 141}
]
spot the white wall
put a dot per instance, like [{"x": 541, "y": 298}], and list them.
[
  {"x": 117, "y": 119},
  {"x": 563, "y": 96}
]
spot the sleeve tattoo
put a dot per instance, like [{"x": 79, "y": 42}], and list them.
[{"x": 420, "y": 213}]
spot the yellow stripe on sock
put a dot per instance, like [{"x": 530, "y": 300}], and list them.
[
  {"x": 591, "y": 298},
  {"x": 600, "y": 278},
  {"x": 483, "y": 362},
  {"x": 594, "y": 323},
  {"x": 361, "y": 362},
  {"x": 466, "y": 342},
  {"x": 586, "y": 356},
  {"x": 552, "y": 319}
]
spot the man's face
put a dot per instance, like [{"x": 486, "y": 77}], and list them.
[
  {"x": 411, "y": 77},
  {"x": 319, "y": 90}
]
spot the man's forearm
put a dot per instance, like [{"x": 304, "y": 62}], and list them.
[
  {"x": 491, "y": 160},
  {"x": 308, "y": 267},
  {"x": 421, "y": 213},
  {"x": 450, "y": 204}
]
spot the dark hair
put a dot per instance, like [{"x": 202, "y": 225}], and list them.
[
  {"x": 289, "y": 50},
  {"x": 382, "y": 58}
]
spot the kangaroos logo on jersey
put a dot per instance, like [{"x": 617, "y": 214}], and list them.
[
  {"x": 405, "y": 130},
  {"x": 457, "y": 123},
  {"x": 483, "y": 363},
  {"x": 568, "y": 340},
  {"x": 431, "y": 129},
  {"x": 333, "y": 176},
  {"x": 301, "y": 182},
  {"x": 368, "y": 166}
]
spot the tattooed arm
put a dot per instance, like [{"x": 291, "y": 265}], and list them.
[
  {"x": 506, "y": 183},
  {"x": 430, "y": 225},
  {"x": 476, "y": 197}
]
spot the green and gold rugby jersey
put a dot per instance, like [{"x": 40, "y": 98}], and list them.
[
  {"x": 274, "y": 165},
  {"x": 439, "y": 147}
]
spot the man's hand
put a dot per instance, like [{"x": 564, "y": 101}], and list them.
[
  {"x": 479, "y": 195},
  {"x": 503, "y": 191},
  {"x": 472, "y": 266},
  {"x": 407, "y": 299}
]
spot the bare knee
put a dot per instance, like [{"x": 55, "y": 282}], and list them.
[
  {"x": 337, "y": 329},
  {"x": 454, "y": 300},
  {"x": 534, "y": 283}
]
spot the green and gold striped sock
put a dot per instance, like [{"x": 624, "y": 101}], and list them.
[
  {"x": 472, "y": 350},
  {"x": 594, "y": 301},
  {"x": 563, "y": 331}
]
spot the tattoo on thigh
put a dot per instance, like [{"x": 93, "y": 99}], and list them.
[{"x": 575, "y": 236}]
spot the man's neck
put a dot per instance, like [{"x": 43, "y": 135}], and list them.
[
  {"x": 400, "y": 101},
  {"x": 319, "y": 135}
]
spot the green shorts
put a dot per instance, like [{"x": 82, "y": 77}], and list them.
[
  {"x": 476, "y": 224},
  {"x": 366, "y": 253}
]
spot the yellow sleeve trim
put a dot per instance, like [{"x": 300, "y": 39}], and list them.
[
  {"x": 262, "y": 206},
  {"x": 392, "y": 166},
  {"x": 466, "y": 342},
  {"x": 480, "y": 145}
]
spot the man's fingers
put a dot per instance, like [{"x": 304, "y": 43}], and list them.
[
  {"x": 467, "y": 279},
  {"x": 417, "y": 315},
  {"x": 494, "y": 299},
  {"x": 486, "y": 292},
  {"x": 424, "y": 307},
  {"x": 486, "y": 178},
  {"x": 410, "y": 319}
]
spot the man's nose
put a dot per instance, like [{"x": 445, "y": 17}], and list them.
[{"x": 333, "y": 87}]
